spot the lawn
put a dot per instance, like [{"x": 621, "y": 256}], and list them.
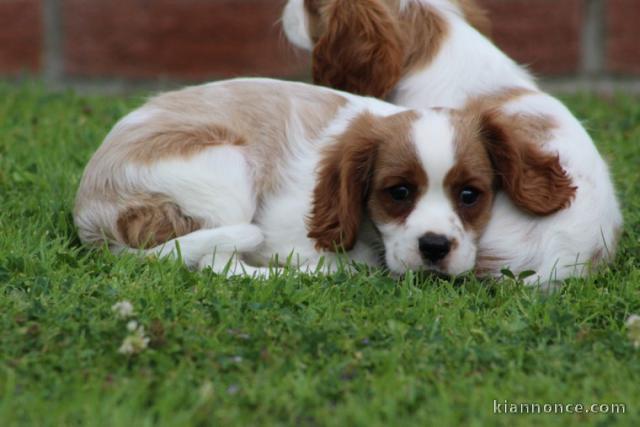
[{"x": 347, "y": 349}]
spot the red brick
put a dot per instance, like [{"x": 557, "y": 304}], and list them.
[
  {"x": 190, "y": 39},
  {"x": 623, "y": 41},
  {"x": 544, "y": 34},
  {"x": 20, "y": 36}
]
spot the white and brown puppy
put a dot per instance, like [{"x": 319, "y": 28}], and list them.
[
  {"x": 252, "y": 169},
  {"x": 432, "y": 53}
]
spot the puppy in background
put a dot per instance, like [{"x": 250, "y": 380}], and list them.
[
  {"x": 432, "y": 53},
  {"x": 241, "y": 173}
]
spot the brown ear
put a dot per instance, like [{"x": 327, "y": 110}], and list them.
[
  {"x": 342, "y": 187},
  {"x": 534, "y": 180},
  {"x": 361, "y": 50}
]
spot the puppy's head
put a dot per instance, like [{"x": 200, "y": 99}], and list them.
[
  {"x": 427, "y": 180},
  {"x": 366, "y": 46}
]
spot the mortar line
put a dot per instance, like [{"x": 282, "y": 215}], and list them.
[
  {"x": 53, "y": 50},
  {"x": 592, "y": 47}
]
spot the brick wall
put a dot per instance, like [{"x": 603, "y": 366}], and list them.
[
  {"x": 623, "y": 41},
  {"x": 21, "y": 36},
  {"x": 146, "y": 40}
]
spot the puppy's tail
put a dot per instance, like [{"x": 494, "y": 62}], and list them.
[{"x": 160, "y": 228}]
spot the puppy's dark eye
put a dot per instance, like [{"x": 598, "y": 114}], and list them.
[
  {"x": 399, "y": 193},
  {"x": 469, "y": 196}
]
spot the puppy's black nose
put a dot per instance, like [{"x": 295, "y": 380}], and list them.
[{"x": 434, "y": 247}]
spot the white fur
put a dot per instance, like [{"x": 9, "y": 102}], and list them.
[
  {"x": 295, "y": 23},
  {"x": 468, "y": 65}
]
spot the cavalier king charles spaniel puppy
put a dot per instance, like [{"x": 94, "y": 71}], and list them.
[
  {"x": 240, "y": 174},
  {"x": 433, "y": 53}
]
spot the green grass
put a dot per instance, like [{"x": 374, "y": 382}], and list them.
[{"x": 360, "y": 349}]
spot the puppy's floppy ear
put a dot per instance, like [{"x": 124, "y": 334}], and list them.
[
  {"x": 360, "y": 50},
  {"x": 342, "y": 186},
  {"x": 534, "y": 180}
]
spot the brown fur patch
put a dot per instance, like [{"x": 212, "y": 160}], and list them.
[
  {"x": 312, "y": 9},
  {"x": 535, "y": 128},
  {"x": 153, "y": 222},
  {"x": 424, "y": 31},
  {"x": 496, "y": 99},
  {"x": 397, "y": 164},
  {"x": 488, "y": 264},
  {"x": 473, "y": 168},
  {"x": 475, "y": 15},
  {"x": 181, "y": 140},
  {"x": 314, "y": 115},
  {"x": 361, "y": 160},
  {"x": 359, "y": 49}
]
